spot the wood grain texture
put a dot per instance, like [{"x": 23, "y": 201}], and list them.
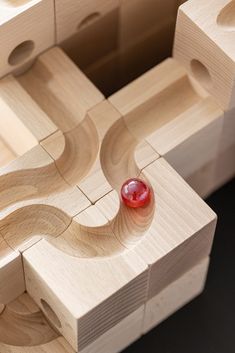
[
  {"x": 34, "y": 22},
  {"x": 25, "y": 329},
  {"x": 61, "y": 210},
  {"x": 74, "y": 15},
  {"x": 206, "y": 47},
  {"x": 181, "y": 122},
  {"x": 176, "y": 295},
  {"x": 23, "y": 124},
  {"x": 169, "y": 248},
  {"x": 12, "y": 282},
  {"x": 52, "y": 74},
  {"x": 191, "y": 140},
  {"x": 139, "y": 17},
  {"x": 120, "y": 279},
  {"x": 6, "y": 154},
  {"x": 27, "y": 177}
]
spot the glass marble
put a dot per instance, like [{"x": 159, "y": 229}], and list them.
[{"x": 135, "y": 193}]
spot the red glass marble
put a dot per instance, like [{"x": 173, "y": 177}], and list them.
[{"x": 135, "y": 193}]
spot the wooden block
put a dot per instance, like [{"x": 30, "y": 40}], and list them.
[
  {"x": 120, "y": 336},
  {"x": 156, "y": 96},
  {"x": 12, "y": 282},
  {"x": 112, "y": 341},
  {"x": 117, "y": 279},
  {"x": 26, "y": 30},
  {"x": 93, "y": 41},
  {"x": 95, "y": 185},
  {"x": 178, "y": 232},
  {"x": 6, "y": 154},
  {"x": 24, "y": 328},
  {"x": 105, "y": 73},
  {"x": 173, "y": 246},
  {"x": 227, "y": 139},
  {"x": 203, "y": 180},
  {"x": 72, "y": 16},
  {"x": 75, "y": 151},
  {"x": 89, "y": 235},
  {"x": 190, "y": 141},
  {"x": 156, "y": 44},
  {"x": 205, "y": 44},
  {"x": 53, "y": 74},
  {"x": 174, "y": 296},
  {"x": 23, "y": 124},
  {"x": 145, "y": 155},
  {"x": 58, "y": 345},
  {"x": 32, "y": 175},
  {"x": 181, "y": 122},
  {"x": 138, "y": 17},
  {"x": 225, "y": 167}
]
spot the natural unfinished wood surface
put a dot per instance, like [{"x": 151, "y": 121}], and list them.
[
  {"x": 25, "y": 329},
  {"x": 72, "y": 16},
  {"x": 6, "y": 154},
  {"x": 52, "y": 74},
  {"x": 60, "y": 203},
  {"x": 65, "y": 290},
  {"x": 170, "y": 248},
  {"x": 23, "y": 124},
  {"x": 174, "y": 115},
  {"x": 11, "y": 277},
  {"x": 175, "y": 295},
  {"x": 26, "y": 30},
  {"x": 191, "y": 140},
  {"x": 205, "y": 44}
]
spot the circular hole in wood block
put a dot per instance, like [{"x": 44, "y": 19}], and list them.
[
  {"x": 21, "y": 52},
  {"x": 226, "y": 17},
  {"x": 88, "y": 20},
  {"x": 51, "y": 315},
  {"x": 201, "y": 73}
]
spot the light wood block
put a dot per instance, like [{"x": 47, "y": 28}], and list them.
[
  {"x": 27, "y": 177},
  {"x": 176, "y": 295},
  {"x": 171, "y": 248},
  {"x": 205, "y": 44},
  {"x": 138, "y": 17},
  {"x": 61, "y": 210},
  {"x": 192, "y": 140},
  {"x": 23, "y": 124},
  {"x": 6, "y": 154},
  {"x": 52, "y": 74},
  {"x": 120, "y": 336},
  {"x": 95, "y": 38},
  {"x": 26, "y": 30},
  {"x": 225, "y": 167},
  {"x": 203, "y": 180},
  {"x": 74, "y": 15},
  {"x": 121, "y": 279},
  {"x": 227, "y": 138},
  {"x": 23, "y": 325},
  {"x": 187, "y": 124},
  {"x": 12, "y": 282}
]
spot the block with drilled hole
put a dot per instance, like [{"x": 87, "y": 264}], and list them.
[{"x": 80, "y": 270}]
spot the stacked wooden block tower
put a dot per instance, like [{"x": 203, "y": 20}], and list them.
[{"x": 79, "y": 271}]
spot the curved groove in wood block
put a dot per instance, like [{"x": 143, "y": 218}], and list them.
[
  {"x": 226, "y": 17},
  {"x": 81, "y": 146},
  {"x": 28, "y": 178},
  {"x": 25, "y": 330},
  {"x": 73, "y": 237},
  {"x": 117, "y": 155},
  {"x": 22, "y": 323}
]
